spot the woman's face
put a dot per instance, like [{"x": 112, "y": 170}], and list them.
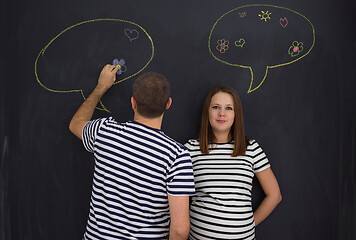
[{"x": 221, "y": 114}]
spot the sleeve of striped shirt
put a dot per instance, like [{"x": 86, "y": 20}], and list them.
[
  {"x": 180, "y": 178},
  {"x": 260, "y": 160},
  {"x": 90, "y": 131}
]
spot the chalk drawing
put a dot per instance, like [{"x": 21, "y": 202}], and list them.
[
  {"x": 295, "y": 49},
  {"x": 223, "y": 45},
  {"x": 264, "y": 15},
  {"x": 283, "y": 22},
  {"x": 132, "y": 34},
  {"x": 260, "y": 56},
  {"x": 240, "y": 43},
  {"x": 121, "y": 64}
]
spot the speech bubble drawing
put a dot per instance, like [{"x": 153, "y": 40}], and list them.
[
  {"x": 70, "y": 62},
  {"x": 263, "y": 37}
]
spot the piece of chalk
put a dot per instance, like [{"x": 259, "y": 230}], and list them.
[{"x": 118, "y": 66}]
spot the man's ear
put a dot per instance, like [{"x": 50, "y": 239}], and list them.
[
  {"x": 133, "y": 103},
  {"x": 169, "y": 103}
]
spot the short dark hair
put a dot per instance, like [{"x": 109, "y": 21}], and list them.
[
  {"x": 151, "y": 92},
  {"x": 237, "y": 133}
]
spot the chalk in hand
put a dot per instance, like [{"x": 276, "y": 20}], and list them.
[{"x": 120, "y": 64}]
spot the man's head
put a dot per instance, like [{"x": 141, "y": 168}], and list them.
[{"x": 151, "y": 93}]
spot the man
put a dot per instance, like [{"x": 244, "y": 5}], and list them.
[{"x": 142, "y": 178}]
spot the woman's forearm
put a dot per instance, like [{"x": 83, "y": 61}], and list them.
[{"x": 266, "y": 207}]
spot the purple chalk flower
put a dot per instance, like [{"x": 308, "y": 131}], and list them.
[{"x": 120, "y": 62}]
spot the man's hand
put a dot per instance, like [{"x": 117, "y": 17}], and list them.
[
  {"x": 85, "y": 112},
  {"x": 107, "y": 77}
]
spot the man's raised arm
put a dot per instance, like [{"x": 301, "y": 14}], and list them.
[{"x": 85, "y": 112}]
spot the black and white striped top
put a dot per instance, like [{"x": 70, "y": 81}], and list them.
[
  {"x": 222, "y": 206},
  {"x": 135, "y": 168}
]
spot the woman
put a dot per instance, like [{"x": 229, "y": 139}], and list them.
[{"x": 224, "y": 164}]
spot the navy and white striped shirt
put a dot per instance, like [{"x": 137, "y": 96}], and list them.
[
  {"x": 136, "y": 167},
  {"x": 222, "y": 207}
]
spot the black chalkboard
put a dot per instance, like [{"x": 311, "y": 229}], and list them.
[{"x": 292, "y": 63}]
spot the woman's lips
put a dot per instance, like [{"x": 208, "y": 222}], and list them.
[{"x": 221, "y": 121}]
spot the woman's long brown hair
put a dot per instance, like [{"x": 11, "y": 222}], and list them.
[{"x": 237, "y": 133}]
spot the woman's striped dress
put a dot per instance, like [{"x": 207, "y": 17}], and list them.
[{"x": 222, "y": 207}]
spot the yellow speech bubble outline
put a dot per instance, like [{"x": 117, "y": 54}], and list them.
[
  {"x": 42, "y": 52},
  {"x": 267, "y": 67}
]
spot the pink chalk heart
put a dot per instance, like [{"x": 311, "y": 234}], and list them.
[
  {"x": 283, "y": 22},
  {"x": 131, "y": 34},
  {"x": 295, "y": 49}
]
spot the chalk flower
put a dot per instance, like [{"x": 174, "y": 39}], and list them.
[
  {"x": 223, "y": 45},
  {"x": 121, "y": 64},
  {"x": 295, "y": 49}
]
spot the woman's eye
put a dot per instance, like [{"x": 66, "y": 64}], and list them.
[
  {"x": 229, "y": 108},
  {"x": 215, "y": 107}
]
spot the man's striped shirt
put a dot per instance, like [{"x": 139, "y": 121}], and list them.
[
  {"x": 222, "y": 206},
  {"x": 136, "y": 167}
]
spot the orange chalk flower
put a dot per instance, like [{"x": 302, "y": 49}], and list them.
[{"x": 222, "y": 46}]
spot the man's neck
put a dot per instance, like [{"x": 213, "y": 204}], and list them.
[{"x": 150, "y": 122}]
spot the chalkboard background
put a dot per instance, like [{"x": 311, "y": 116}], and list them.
[{"x": 303, "y": 114}]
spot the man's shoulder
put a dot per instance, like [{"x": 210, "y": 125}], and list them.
[
  {"x": 105, "y": 126},
  {"x": 110, "y": 122},
  {"x": 179, "y": 147}
]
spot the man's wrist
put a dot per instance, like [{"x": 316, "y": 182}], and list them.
[{"x": 101, "y": 90}]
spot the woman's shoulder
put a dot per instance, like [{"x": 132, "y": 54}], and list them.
[
  {"x": 253, "y": 145},
  {"x": 192, "y": 143}
]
